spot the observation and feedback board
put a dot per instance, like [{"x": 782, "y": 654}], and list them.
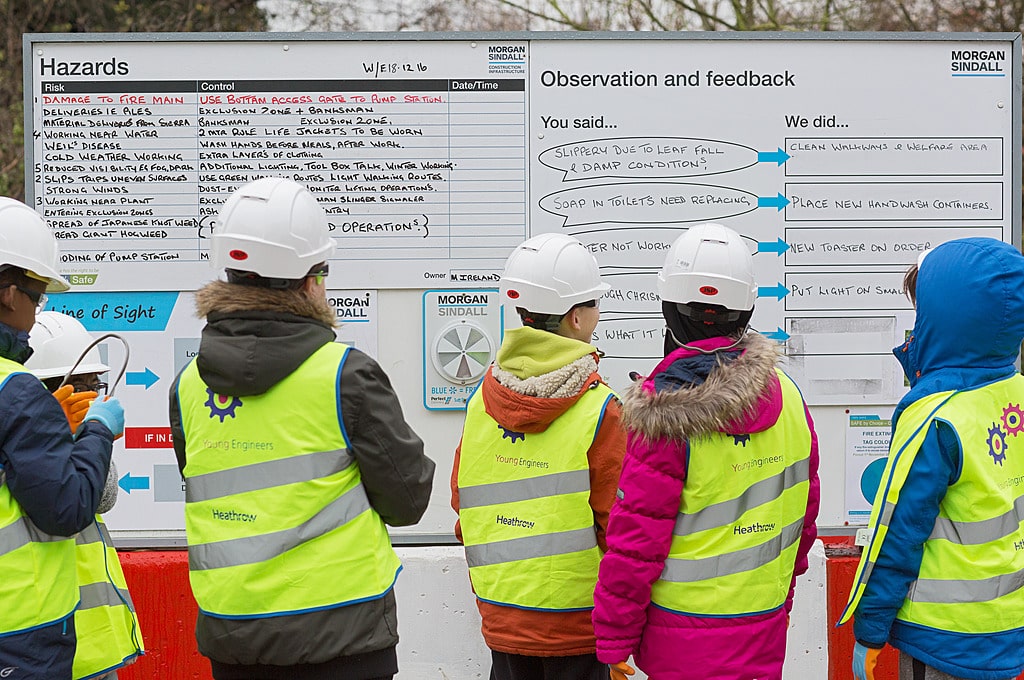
[{"x": 840, "y": 158}]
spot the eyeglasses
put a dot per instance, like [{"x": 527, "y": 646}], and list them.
[
  {"x": 38, "y": 298},
  {"x": 321, "y": 273},
  {"x": 98, "y": 386}
]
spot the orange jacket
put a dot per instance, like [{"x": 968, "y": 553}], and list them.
[{"x": 540, "y": 633}]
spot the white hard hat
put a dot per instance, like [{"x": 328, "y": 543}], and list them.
[
  {"x": 709, "y": 264},
  {"x": 58, "y": 341},
  {"x": 550, "y": 273},
  {"x": 273, "y": 227},
  {"x": 26, "y": 242}
]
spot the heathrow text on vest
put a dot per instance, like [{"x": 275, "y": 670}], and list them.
[
  {"x": 513, "y": 522},
  {"x": 232, "y": 516},
  {"x": 755, "y": 528}
]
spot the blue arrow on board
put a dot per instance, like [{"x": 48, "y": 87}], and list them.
[
  {"x": 146, "y": 378},
  {"x": 779, "y": 335},
  {"x": 779, "y": 156},
  {"x": 128, "y": 483},
  {"x": 779, "y": 202},
  {"x": 777, "y": 247},
  {"x": 778, "y": 291}
]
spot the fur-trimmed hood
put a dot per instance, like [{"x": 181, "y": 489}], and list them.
[
  {"x": 255, "y": 337},
  {"x": 740, "y": 393},
  {"x": 220, "y": 297}
]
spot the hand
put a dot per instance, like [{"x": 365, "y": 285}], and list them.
[
  {"x": 108, "y": 412},
  {"x": 864, "y": 661},
  {"x": 620, "y": 671},
  {"x": 75, "y": 404}
]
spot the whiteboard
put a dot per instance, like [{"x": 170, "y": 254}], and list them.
[{"x": 838, "y": 158}]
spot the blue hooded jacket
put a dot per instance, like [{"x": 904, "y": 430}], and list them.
[
  {"x": 967, "y": 334},
  {"x": 57, "y": 481}
]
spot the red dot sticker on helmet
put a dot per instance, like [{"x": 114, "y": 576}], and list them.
[
  {"x": 708, "y": 290},
  {"x": 514, "y": 294},
  {"x": 238, "y": 255}
]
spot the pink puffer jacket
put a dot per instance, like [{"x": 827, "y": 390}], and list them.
[{"x": 737, "y": 397}]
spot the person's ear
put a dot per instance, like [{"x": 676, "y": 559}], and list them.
[
  {"x": 7, "y": 296},
  {"x": 573, "y": 317}
]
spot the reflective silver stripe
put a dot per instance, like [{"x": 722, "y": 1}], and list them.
[
  {"x": 103, "y": 595},
  {"x": 253, "y": 549},
  {"x": 950, "y": 591},
  {"x": 747, "y": 559},
  {"x": 883, "y": 520},
  {"x": 266, "y": 475},
  {"x": 984, "y": 531},
  {"x": 727, "y": 512},
  {"x": 94, "y": 533},
  {"x": 545, "y": 545},
  {"x": 22, "y": 532},
  {"x": 545, "y": 486}
]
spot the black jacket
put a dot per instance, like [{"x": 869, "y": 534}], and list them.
[{"x": 254, "y": 338}]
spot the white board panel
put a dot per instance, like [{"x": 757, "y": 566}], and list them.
[{"x": 837, "y": 157}]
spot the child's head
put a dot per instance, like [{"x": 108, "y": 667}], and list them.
[
  {"x": 58, "y": 341},
  {"x": 910, "y": 278},
  {"x": 554, "y": 283},
  {"x": 706, "y": 285}
]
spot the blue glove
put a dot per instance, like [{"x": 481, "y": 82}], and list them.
[
  {"x": 109, "y": 413},
  {"x": 864, "y": 661}
]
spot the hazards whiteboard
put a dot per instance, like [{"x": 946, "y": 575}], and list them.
[{"x": 838, "y": 157}]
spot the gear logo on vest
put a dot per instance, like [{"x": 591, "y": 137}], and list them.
[
  {"x": 996, "y": 444},
  {"x": 221, "y": 406},
  {"x": 513, "y": 437},
  {"x": 1013, "y": 419},
  {"x": 740, "y": 439}
]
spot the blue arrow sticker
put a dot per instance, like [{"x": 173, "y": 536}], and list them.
[
  {"x": 778, "y": 202},
  {"x": 778, "y": 291},
  {"x": 778, "y": 156},
  {"x": 778, "y": 247},
  {"x": 128, "y": 311},
  {"x": 146, "y": 377},
  {"x": 778, "y": 335},
  {"x": 129, "y": 483}
]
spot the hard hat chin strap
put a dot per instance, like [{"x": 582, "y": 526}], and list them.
[{"x": 701, "y": 350}]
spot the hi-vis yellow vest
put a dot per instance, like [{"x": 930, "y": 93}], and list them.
[
  {"x": 105, "y": 622},
  {"x": 276, "y": 515},
  {"x": 524, "y": 507},
  {"x": 740, "y": 519},
  {"x": 37, "y": 571},
  {"x": 969, "y": 580}
]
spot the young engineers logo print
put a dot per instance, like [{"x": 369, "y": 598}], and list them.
[{"x": 221, "y": 405}]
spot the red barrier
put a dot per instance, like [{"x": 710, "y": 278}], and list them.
[
  {"x": 841, "y": 567},
  {"x": 158, "y": 582},
  {"x": 159, "y": 585}
]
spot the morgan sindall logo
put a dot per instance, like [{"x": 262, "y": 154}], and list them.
[{"x": 978, "y": 63}]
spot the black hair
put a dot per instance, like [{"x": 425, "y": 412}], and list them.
[
  {"x": 691, "y": 322},
  {"x": 910, "y": 284},
  {"x": 548, "y": 322},
  {"x": 11, "y": 275},
  {"x": 245, "y": 278}
]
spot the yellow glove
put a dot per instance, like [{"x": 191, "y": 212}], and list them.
[
  {"x": 75, "y": 404},
  {"x": 620, "y": 671}
]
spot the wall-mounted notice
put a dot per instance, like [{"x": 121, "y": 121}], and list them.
[
  {"x": 416, "y": 150},
  {"x": 867, "y": 446},
  {"x": 839, "y": 161}
]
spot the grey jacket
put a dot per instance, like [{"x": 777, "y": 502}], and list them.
[{"x": 254, "y": 338}]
